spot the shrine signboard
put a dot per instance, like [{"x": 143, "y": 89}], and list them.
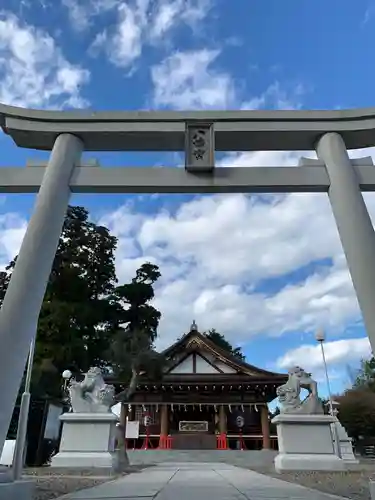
[{"x": 193, "y": 426}]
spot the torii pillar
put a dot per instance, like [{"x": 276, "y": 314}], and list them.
[
  {"x": 353, "y": 223},
  {"x": 24, "y": 297}
]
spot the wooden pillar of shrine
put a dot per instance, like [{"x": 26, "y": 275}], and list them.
[
  {"x": 265, "y": 427},
  {"x": 164, "y": 415},
  {"x": 123, "y": 414},
  {"x": 131, "y": 412},
  {"x": 121, "y": 429},
  {"x": 222, "y": 420}
]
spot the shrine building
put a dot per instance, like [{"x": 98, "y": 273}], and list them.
[{"x": 206, "y": 399}]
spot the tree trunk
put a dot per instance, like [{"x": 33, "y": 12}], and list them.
[{"x": 122, "y": 459}]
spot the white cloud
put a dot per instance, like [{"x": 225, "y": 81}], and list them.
[
  {"x": 277, "y": 97},
  {"x": 143, "y": 23},
  {"x": 368, "y": 14},
  {"x": 188, "y": 80},
  {"x": 337, "y": 352},
  {"x": 82, "y": 12},
  {"x": 125, "y": 44},
  {"x": 169, "y": 13},
  {"x": 34, "y": 71},
  {"x": 12, "y": 230},
  {"x": 193, "y": 79}
]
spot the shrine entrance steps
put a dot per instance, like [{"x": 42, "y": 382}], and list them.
[
  {"x": 234, "y": 457},
  {"x": 194, "y": 441}
]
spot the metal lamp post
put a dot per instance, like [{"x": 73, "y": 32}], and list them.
[
  {"x": 320, "y": 337},
  {"x": 19, "y": 450},
  {"x": 66, "y": 375}
]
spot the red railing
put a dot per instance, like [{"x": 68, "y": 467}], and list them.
[
  {"x": 165, "y": 442},
  {"x": 221, "y": 442}
]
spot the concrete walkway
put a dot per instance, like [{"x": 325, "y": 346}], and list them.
[{"x": 199, "y": 481}]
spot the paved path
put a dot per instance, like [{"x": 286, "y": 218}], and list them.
[{"x": 199, "y": 481}]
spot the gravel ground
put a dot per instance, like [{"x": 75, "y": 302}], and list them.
[
  {"x": 52, "y": 483},
  {"x": 50, "y": 487},
  {"x": 352, "y": 484}
]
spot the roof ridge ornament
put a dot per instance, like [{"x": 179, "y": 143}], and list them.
[{"x": 194, "y": 326}]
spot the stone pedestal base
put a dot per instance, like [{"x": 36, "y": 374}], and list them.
[
  {"x": 289, "y": 462},
  {"x": 83, "y": 460},
  {"x": 5, "y": 474},
  {"x": 306, "y": 443},
  {"x": 88, "y": 440},
  {"x": 372, "y": 489},
  {"x": 345, "y": 443},
  {"x": 17, "y": 490}
]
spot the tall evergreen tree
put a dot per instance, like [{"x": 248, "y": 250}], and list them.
[
  {"x": 365, "y": 376},
  {"x": 136, "y": 322},
  {"x": 86, "y": 319},
  {"x": 132, "y": 351},
  {"x": 219, "y": 339},
  {"x": 73, "y": 328}
]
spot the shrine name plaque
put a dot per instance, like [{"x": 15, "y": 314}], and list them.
[{"x": 192, "y": 426}]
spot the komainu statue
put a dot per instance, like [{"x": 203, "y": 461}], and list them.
[
  {"x": 92, "y": 395},
  {"x": 289, "y": 394}
]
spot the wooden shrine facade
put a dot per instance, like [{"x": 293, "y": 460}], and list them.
[{"x": 206, "y": 399}]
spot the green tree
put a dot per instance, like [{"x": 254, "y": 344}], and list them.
[
  {"x": 131, "y": 302},
  {"x": 219, "y": 339},
  {"x": 357, "y": 412},
  {"x": 365, "y": 376},
  {"x": 132, "y": 351},
  {"x": 74, "y": 327},
  {"x": 135, "y": 322}
]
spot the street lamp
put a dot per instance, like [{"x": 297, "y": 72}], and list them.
[
  {"x": 66, "y": 375},
  {"x": 19, "y": 449},
  {"x": 320, "y": 337},
  {"x": 336, "y": 406}
]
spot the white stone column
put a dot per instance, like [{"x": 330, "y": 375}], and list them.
[
  {"x": 23, "y": 299},
  {"x": 353, "y": 223}
]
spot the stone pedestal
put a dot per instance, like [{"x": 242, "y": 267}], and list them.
[
  {"x": 346, "y": 447},
  {"x": 372, "y": 489},
  {"x": 88, "y": 440},
  {"x": 306, "y": 443}
]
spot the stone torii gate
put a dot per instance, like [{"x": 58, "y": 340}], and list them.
[{"x": 199, "y": 134}]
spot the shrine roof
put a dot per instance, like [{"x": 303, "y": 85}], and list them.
[{"x": 223, "y": 364}]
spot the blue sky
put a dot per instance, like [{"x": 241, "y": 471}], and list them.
[{"x": 265, "y": 271}]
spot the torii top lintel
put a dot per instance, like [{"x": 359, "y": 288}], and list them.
[{"x": 165, "y": 130}]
